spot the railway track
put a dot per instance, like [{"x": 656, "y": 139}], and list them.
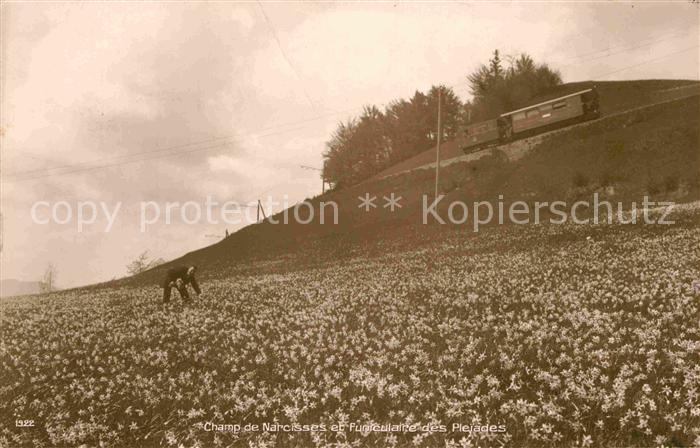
[{"x": 517, "y": 149}]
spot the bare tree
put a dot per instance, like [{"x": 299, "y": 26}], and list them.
[
  {"x": 48, "y": 283},
  {"x": 143, "y": 263}
]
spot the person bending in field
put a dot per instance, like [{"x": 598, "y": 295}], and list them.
[{"x": 179, "y": 278}]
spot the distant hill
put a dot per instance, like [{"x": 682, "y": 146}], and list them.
[{"x": 12, "y": 287}]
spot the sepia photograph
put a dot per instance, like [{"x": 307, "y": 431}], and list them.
[{"x": 349, "y": 224}]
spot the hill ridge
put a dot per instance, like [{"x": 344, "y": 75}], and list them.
[{"x": 666, "y": 131}]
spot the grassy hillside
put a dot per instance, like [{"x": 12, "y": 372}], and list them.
[
  {"x": 652, "y": 151},
  {"x": 615, "y": 97},
  {"x": 563, "y": 335},
  {"x": 566, "y": 335}
]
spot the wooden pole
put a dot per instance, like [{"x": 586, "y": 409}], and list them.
[
  {"x": 261, "y": 209},
  {"x": 439, "y": 131}
]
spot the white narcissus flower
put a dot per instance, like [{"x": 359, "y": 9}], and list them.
[{"x": 532, "y": 337}]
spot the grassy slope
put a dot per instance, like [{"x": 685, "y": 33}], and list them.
[
  {"x": 562, "y": 333},
  {"x": 652, "y": 151},
  {"x": 615, "y": 96}
]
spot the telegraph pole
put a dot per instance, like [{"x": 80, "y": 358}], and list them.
[
  {"x": 439, "y": 132},
  {"x": 261, "y": 209},
  {"x": 323, "y": 179}
]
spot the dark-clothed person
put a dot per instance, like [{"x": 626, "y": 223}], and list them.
[{"x": 179, "y": 278}]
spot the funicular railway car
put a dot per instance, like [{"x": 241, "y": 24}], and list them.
[
  {"x": 480, "y": 134},
  {"x": 531, "y": 119}
]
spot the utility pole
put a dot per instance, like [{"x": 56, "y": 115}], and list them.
[
  {"x": 323, "y": 179},
  {"x": 439, "y": 132},
  {"x": 261, "y": 209}
]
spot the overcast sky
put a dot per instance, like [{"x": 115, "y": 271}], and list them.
[{"x": 130, "y": 102}]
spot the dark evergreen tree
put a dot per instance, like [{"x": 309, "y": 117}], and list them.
[{"x": 496, "y": 90}]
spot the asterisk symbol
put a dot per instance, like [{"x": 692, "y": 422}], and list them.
[
  {"x": 367, "y": 202},
  {"x": 392, "y": 202}
]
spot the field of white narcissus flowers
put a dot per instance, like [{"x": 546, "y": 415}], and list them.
[{"x": 564, "y": 335}]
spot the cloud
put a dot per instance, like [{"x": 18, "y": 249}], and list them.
[
  {"x": 248, "y": 169},
  {"x": 227, "y": 163},
  {"x": 244, "y": 18}
]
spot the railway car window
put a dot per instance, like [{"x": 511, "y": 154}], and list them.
[
  {"x": 533, "y": 113},
  {"x": 519, "y": 116},
  {"x": 559, "y": 105},
  {"x": 545, "y": 108}
]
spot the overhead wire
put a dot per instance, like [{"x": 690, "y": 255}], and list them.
[
  {"x": 284, "y": 55},
  {"x": 677, "y": 30},
  {"x": 605, "y": 52},
  {"x": 19, "y": 175},
  {"x": 225, "y": 140},
  {"x": 648, "y": 61}
]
